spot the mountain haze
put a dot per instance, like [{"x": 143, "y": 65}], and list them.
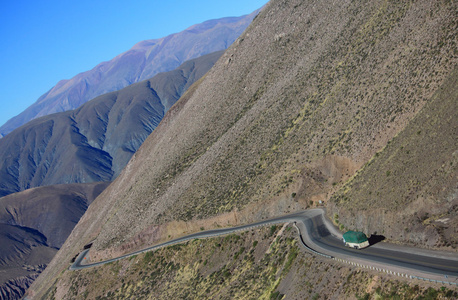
[
  {"x": 306, "y": 106},
  {"x": 94, "y": 142},
  {"x": 141, "y": 62}
]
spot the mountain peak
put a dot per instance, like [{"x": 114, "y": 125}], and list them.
[{"x": 144, "y": 60}]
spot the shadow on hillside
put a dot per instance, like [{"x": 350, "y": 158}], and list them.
[{"x": 375, "y": 238}]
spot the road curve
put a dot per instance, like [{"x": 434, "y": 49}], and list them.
[{"x": 319, "y": 236}]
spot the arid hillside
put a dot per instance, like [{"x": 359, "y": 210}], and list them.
[
  {"x": 33, "y": 226},
  {"x": 292, "y": 115},
  {"x": 409, "y": 190},
  {"x": 266, "y": 263}
]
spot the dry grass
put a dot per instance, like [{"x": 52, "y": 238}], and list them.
[
  {"x": 265, "y": 263},
  {"x": 308, "y": 94},
  {"x": 408, "y": 190}
]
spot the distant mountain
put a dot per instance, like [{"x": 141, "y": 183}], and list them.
[
  {"x": 142, "y": 62},
  {"x": 33, "y": 226},
  {"x": 94, "y": 142}
]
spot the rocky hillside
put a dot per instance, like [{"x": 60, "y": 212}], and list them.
[
  {"x": 293, "y": 113},
  {"x": 409, "y": 190},
  {"x": 266, "y": 263},
  {"x": 33, "y": 226},
  {"x": 94, "y": 142},
  {"x": 143, "y": 61},
  {"x": 15, "y": 288}
]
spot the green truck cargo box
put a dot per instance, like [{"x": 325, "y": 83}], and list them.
[{"x": 355, "y": 239}]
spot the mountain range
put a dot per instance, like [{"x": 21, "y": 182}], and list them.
[
  {"x": 94, "y": 142},
  {"x": 141, "y": 62},
  {"x": 346, "y": 104}
]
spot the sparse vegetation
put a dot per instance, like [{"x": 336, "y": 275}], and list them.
[
  {"x": 317, "y": 93},
  {"x": 290, "y": 131},
  {"x": 202, "y": 270},
  {"x": 250, "y": 273},
  {"x": 419, "y": 173}
]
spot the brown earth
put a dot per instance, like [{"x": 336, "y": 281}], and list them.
[
  {"x": 33, "y": 226},
  {"x": 265, "y": 263},
  {"x": 295, "y": 111}
]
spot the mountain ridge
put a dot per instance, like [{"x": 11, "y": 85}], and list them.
[
  {"x": 94, "y": 142},
  {"x": 141, "y": 62}
]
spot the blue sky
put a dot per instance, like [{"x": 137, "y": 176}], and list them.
[{"x": 45, "y": 41}]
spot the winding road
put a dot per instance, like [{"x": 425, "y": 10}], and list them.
[{"x": 320, "y": 237}]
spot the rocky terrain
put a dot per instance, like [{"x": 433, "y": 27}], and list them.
[
  {"x": 33, "y": 226},
  {"x": 309, "y": 105},
  {"x": 15, "y": 288},
  {"x": 94, "y": 142},
  {"x": 141, "y": 62},
  {"x": 409, "y": 190},
  {"x": 266, "y": 263}
]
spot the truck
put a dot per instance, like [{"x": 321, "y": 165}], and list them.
[{"x": 355, "y": 239}]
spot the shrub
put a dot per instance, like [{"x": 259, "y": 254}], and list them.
[
  {"x": 276, "y": 295},
  {"x": 273, "y": 228}
]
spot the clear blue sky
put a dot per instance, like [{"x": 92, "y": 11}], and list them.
[{"x": 45, "y": 41}]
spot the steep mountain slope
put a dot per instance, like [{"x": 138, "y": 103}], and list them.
[
  {"x": 142, "y": 62},
  {"x": 410, "y": 188},
  {"x": 94, "y": 142},
  {"x": 293, "y": 109},
  {"x": 33, "y": 226}
]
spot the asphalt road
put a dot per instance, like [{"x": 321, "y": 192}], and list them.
[
  {"x": 316, "y": 235},
  {"x": 401, "y": 257}
]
